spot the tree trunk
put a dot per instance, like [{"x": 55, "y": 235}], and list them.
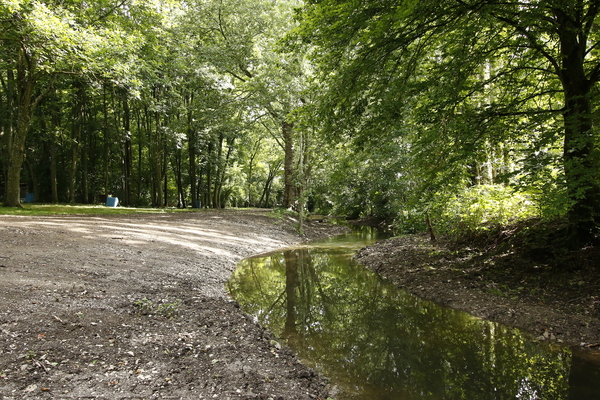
[
  {"x": 158, "y": 162},
  {"x": 201, "y": 192},
  {"x": 141, "y": 146},
  {"x": 85, "y": 195},
  {"x": 8, "y": 126},
  {"x": 209, "y": 168},
  {"x": 78, "y": 121},
  {"x": 33, "y": 178},
  {"x": 253, "y": 155},
  {"x": 221, "y": 178},
  {"x": 219, "y": 166},
  {"x": 106, "y": 147},
  {"x": 177, "y": 163},
  {"x": 267, "y": 188},
  {"x": 581, "y": 168},
  {"x": 152, "y": 150},
  {"x": 26, "y": 82},
  {"x": 580, "y": 156},
  {"x": 191, "y": 138},
  {"x": 165, "y": 180},
  {"x": 127, "y": 150},
  {"x": 289, "y": 194},
  {"x": 54, "y": 126}
]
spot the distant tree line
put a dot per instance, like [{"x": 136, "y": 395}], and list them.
[{"x": 157, "y": 102}]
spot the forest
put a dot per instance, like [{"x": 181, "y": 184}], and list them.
[{"x": 451, "y": 116}]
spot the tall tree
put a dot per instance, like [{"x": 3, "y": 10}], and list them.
[
  {"x": 483, "y": 71},
  {"x": 41, "y": 41},
  {"x": 239, "y": 39}
]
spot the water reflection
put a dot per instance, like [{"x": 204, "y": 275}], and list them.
[{"x": 377, "y": 342}]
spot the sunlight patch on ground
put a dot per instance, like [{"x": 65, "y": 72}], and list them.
[{"x": 191, "y": 236}]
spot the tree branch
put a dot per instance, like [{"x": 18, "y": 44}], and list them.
[
  {"x": 590, "y": 16},
  {"x": 594, "y": 75},
  {"x": 535, "y": 45},
  {"x": 110, "y": 11}
]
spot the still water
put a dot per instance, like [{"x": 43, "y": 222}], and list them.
[{"x": 376, "y": 342}]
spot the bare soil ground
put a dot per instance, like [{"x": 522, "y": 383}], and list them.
[
  {"x": 135, "y": 307},
  {"x": 552, "y": 296}
]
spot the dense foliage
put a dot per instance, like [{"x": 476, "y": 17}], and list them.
[
  {"x": 481, "y": 91},
  {"x": 445, "y": 115},
  {"x": 158, "y": 102}
]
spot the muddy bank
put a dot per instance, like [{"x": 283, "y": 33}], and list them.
[
  {"x": 552, "y": 302},
  {"x": 134, "y": 307}
]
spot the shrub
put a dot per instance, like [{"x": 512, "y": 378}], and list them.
[{"x": 480, "y": 208}]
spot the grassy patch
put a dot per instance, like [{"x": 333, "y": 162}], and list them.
[
  {"x": 284, "y": 214},
  {"x": 62, "y": 209}
]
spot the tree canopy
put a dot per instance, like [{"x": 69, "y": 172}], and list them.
[{"x": 470, "y": 84}]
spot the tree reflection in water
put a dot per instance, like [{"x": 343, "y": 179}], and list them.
[{"x": 377, "y": 342}]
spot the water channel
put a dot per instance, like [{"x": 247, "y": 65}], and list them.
[{"x": 376, "y": 342}]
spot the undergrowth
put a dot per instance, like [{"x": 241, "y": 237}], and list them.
[{"x": 482, "y": 209}]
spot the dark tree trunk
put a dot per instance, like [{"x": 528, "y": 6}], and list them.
[
  {"x": 26, "y": 82},
  {"x": 8, "y": 126},
  {"x": 165, "y": 179},
  {"x": 76, "y": 129},
  {"x": 178, "y": 170},
  {"x": 141, "y": 145},
  {"x": 191, "y": 138},
  {"x": 127, "y": 150},
  {"x": 209, "y": 169},
  {"x": 157, "y": 159},
  {"x": 266, "y": 194},
  {"x": 253, "y": 155},
  {"x": 106, "y": 144},
  {"x": 54, "y": 127},
  {"x": 85, "y": 145},
  {"x": 580, "y": 156},
  {"x": 218, "y": 165},
  {"x": 289, "y": 194}
]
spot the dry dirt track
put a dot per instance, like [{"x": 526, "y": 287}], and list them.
[{"x": 134, "y": 307}]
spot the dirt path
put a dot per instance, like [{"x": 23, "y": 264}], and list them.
[{"x": 134, "y": 307}]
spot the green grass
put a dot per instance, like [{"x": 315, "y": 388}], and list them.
[
  {"x": 283, "y": 214},
  {"x": 61, "y": 209}
]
